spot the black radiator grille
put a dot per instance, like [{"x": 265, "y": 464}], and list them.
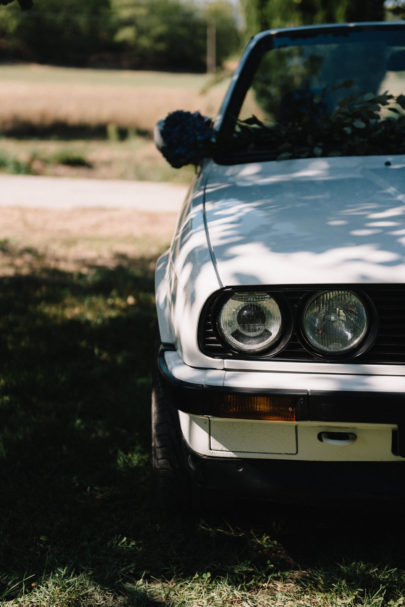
[{"x": 388, "y": 346}]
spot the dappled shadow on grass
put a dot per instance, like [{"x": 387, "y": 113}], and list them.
[{"x": 76, "y": 356}]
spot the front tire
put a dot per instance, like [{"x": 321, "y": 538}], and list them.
[{"x": 171, "y": 478}]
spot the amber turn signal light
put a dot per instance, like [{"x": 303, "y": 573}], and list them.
[{"x": 266, "y": 407}]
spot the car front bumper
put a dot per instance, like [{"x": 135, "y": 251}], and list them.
[
  {"x": 283, "y": 476},
  {"x": 314, "y": 397}
]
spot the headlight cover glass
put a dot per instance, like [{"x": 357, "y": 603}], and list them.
[
  {"x": 335, "y": 322},
  {"x": 250, "y": 321}
]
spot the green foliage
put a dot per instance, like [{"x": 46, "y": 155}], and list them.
[
  {"x": 10, "y": 164},
  {"x": 264, "y": 14},
  {"x": 164, "y": 34},
  {"x": 70, "y": 158},
  {"x": 228, "y": 38},
  {"x": 68, "y": 36},
  {"x": 172, "y": 33},
  {"x": 360, "y": 125},
  {"x": 25, "y": 4},
  {"x": 160, "y": 33}
]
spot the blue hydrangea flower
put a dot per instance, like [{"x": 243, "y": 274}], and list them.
[{"x": 184, "y": 137}]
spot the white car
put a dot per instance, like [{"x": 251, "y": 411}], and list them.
[{"x": 281, "y": 301}]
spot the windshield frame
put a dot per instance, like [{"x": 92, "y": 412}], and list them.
[{"x": 249, "y": 63}]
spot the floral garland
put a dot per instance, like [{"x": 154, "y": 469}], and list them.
[{"x": 355, "y": 127}]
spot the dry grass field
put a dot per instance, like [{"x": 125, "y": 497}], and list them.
[
  {"x": 43, "y": 96},
  {"x": 94, "y": 123}
]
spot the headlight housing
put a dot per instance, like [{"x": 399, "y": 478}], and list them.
[
  {"x": 250, "y": 321},
  {"x": 335, "y": 322}
]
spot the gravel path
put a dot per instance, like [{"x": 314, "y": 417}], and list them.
[{"x": 62, "y": 193}]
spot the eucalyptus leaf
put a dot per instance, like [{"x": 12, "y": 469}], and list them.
[
  {"x": 354, "y": 127},
  {"x": 254, "y": 121},
  {"x": 401, "y": 101},
  {"x": 284, "y": 156}
]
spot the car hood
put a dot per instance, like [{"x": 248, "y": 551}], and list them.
[{"x": 337, "y": 220}]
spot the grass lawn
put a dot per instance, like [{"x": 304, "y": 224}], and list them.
[
  {"x": 78, "y": 522},
  {"x": 135, "y": 157}
]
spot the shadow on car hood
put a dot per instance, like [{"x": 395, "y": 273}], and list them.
[{"x": 329, "y": 220}]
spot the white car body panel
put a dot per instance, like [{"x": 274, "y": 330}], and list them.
[
  {"x": 163, "y": 299},
  {"x": 308, "y": 221},
  {"x": 273, "y": 380},
  {"x": 191, "y": 277}
]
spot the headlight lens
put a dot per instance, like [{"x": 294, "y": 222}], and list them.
[
  {"x": 250, "y": 322},
  {"x": 335, "y": 322}
]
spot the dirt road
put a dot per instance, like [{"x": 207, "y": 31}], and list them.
[{"x": 74, "y": 224}]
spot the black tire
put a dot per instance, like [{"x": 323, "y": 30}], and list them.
[{"x": 171, "y": 479}]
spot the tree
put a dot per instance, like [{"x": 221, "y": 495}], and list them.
[
  {"x": 171, "y": 34},
  {"x": 146, "y": 34},
  {"x": 25, "y": 4},
  {"x": 68, "y": 35},
  {"x": 265, "y": 14},
  {"x": 395, "y": 9},
  {"x": 159, "y": 33},
  {"x": 222, "y": 15}
]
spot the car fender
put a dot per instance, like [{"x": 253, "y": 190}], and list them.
[
  {"x": 163, "y": 299},
  {"x": 184, "y": 279}
]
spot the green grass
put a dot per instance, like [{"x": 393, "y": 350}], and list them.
[
  {"x": 78, "y": 522},
  {"x": 133, "y": 158},
  {"x": 13, "y": 165},
  {"x": 71, "y": 158}
]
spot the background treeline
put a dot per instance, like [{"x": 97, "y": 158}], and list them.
[
  {"x": 262, "y": 14},
  {"x": 147, "y": 34},
  {"x": 160, "y": 34}
]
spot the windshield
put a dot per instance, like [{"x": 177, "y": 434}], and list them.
[{"x": 339, "y": 94}]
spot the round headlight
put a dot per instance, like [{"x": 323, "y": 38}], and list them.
[
  {"x": 335, "y": 322},
  {"x": 250, "y": 322}
]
